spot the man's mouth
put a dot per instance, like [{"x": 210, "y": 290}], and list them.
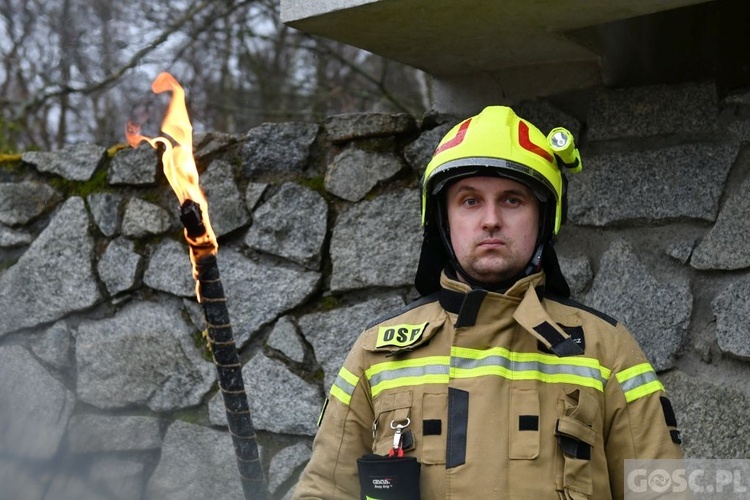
[{"x": 491, "y": 243}]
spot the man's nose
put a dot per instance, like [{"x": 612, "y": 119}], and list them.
[{"x": 491, "y": 218}]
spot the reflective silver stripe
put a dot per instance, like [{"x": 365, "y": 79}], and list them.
[
  {"x": 342, "y": 384},
  {"x": 408, "y": 371},
  {"x": 480, "y": 162},
  {"x": 638, "y": 381},
  {"x": 520, "y": 366}
]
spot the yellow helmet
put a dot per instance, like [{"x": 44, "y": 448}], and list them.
[{"x": 496, "y": 142}]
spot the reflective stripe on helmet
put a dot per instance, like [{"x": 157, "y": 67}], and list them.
[
  {"x": 525, "y": 142},
  {"x": 456, "y": 140},
  {"x": 463, "y": 168}
]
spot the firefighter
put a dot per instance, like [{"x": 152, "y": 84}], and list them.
[{"x": 495, "y": 383}]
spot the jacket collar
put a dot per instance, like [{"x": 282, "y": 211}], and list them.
[
  {"x": 520, "y": 302},
  {"x": 453, "y": 293}
]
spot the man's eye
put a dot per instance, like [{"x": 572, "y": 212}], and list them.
[{"x": 470, "y": 201}]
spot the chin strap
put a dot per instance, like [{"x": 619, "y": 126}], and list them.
[{"x": 536, "y": 261}]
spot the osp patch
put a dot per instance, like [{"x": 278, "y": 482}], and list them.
[{"x": 399, "y": 335}]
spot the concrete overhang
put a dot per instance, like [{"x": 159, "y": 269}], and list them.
[{"x": 525, "y": 48}]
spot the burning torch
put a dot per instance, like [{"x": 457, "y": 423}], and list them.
[{"x": 182, "y": 174}]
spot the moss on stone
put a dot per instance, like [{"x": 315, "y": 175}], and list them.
[
  {"x": 191, "y": 416},
  {"x": 200, "y": 340},
  {"x": 155, "y": 197},
  {"x": 7, "y": 264},
  {"x": 328, "y": 303},
  {"x": 113, "y": 150},
  {"x": 317, "y": 184},
  {"x": 97, "y": 183},
  {"x": 10, "y": 158},
  {"x": 12, "y": 166}
]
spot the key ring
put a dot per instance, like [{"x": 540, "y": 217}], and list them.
[{"x": 400, "y": 426}]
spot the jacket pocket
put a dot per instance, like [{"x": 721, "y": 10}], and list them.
[
  {"x": 391, "y": 407},
  {"x": 434, "y": 427},
  {"x": 524, "y": 424},
  {"x": 576, "y": 437}
]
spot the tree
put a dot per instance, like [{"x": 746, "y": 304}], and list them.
[{"x": 76, "y": 70}]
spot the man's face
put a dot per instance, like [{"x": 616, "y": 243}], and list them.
[{"x": 493, "y": 225}]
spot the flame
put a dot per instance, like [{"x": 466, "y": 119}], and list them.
[{"x": 178, "y": 161}]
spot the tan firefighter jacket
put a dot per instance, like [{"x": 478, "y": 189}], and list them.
[{"x": 493, "y": 411}]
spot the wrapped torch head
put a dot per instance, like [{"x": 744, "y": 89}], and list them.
[{"x": 191, "y": 217}]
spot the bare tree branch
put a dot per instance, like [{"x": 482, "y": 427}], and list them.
[
  {"x": 113, "y": 77},
  {"x": 323, "y": 48},
  {"x": 68, "y": 78}
]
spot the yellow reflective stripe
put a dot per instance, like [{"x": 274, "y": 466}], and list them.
[
  {"x": 643, "y": 390},
  {"x": 639, "y": 381},
  {"x": 343, "y": 387},
  {"x": 525, "y": 357},
  {"x": 348, "y": 376},
  {"x": 528, "y": 375},
  {"x": 439, "y": 369},
  {"x": 342, "y": 396},
  {"x": 394, "y": 374},
  {"x": 498, "y": 361},
  {"x": 634, "y": 371}
]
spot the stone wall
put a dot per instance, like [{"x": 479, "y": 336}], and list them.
[{"x": 105, "y": 387}]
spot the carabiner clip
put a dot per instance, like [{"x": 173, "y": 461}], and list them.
[{"x": 397, "y": 449}]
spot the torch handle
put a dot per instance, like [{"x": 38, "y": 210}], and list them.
[{"x": 229, "y": 368}]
